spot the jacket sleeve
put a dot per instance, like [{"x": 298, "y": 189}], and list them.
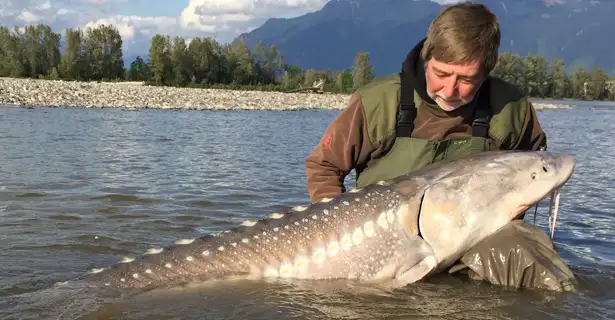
[
  {"x": 344, "y": 145},
  {"x": 532, "y": 137}
]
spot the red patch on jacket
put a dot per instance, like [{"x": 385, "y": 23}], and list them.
[{"x": 326, "y": 141}]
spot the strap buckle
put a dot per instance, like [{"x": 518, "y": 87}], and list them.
[
  {"x": 406, "y": 113},
  {"x": 480, "y": 127}
]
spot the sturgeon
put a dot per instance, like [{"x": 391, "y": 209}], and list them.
[{"x": 397, "y": 231}]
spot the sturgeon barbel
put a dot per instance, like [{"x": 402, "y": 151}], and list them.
[{"x": 397, "y": 231}]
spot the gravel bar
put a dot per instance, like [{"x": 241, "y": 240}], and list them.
[{"x": 135, "y": 95}]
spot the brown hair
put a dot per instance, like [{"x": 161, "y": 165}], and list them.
[{"x": 462, "y": 33}]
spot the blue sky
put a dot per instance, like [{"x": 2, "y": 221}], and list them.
[
  {"x": 139, "y": 20},
  {"x": 152, "y": 8}
]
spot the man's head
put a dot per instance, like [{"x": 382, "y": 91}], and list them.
[{"x": 461, "y": 49}]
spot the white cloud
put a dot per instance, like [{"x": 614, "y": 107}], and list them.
[
  {"x": 228, "y": 18},
  {"x": 28, "y": 17},
  {"x": 130, "y": 27}
]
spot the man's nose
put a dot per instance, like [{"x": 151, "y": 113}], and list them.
[{"x": 450, "y": 88}]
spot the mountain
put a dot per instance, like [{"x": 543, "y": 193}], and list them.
[{"x": 573, "y": 30}]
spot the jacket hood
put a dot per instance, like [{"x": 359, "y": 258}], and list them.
[{"x": 414, "y": 68}]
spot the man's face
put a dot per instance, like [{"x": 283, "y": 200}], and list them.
[{"x": 452, "y": 85}]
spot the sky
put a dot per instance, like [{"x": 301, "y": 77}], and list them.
[{"x": 139, "y": 20}]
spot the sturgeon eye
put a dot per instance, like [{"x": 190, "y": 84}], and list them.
[{"x": 534, "y": 175}]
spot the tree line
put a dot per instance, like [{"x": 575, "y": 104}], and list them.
[{"x": 95, "y": 54}]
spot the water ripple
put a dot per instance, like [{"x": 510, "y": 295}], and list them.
[{"x": 81, "y": 188}]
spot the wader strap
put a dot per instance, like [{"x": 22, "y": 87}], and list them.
[
  {"x": 406, "y": 111},
  {"x": 482, "y": 115}
]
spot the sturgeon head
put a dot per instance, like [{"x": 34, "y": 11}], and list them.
[{"x": 474, "y": 197}]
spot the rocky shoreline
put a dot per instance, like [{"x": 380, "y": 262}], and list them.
[{"x": 135, "y": 95}]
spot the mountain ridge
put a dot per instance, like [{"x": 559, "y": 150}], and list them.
[{"x": 564, "y": 29}]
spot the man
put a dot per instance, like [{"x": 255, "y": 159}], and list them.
[
  {"x": 442, "y": 105},
  {"x": 449, "y": 74}
]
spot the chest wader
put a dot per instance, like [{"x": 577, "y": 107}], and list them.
[{"x": 409, "y": 154}]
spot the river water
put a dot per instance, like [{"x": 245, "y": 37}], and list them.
[{"x": 81, "y": 188}]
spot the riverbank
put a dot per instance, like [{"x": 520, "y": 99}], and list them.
[{"x": 135, "y": 95}]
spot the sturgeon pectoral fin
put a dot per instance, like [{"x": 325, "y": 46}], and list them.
[
  {"x": 417, "y": 272},
  {"x": 415, "y": 263}
]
